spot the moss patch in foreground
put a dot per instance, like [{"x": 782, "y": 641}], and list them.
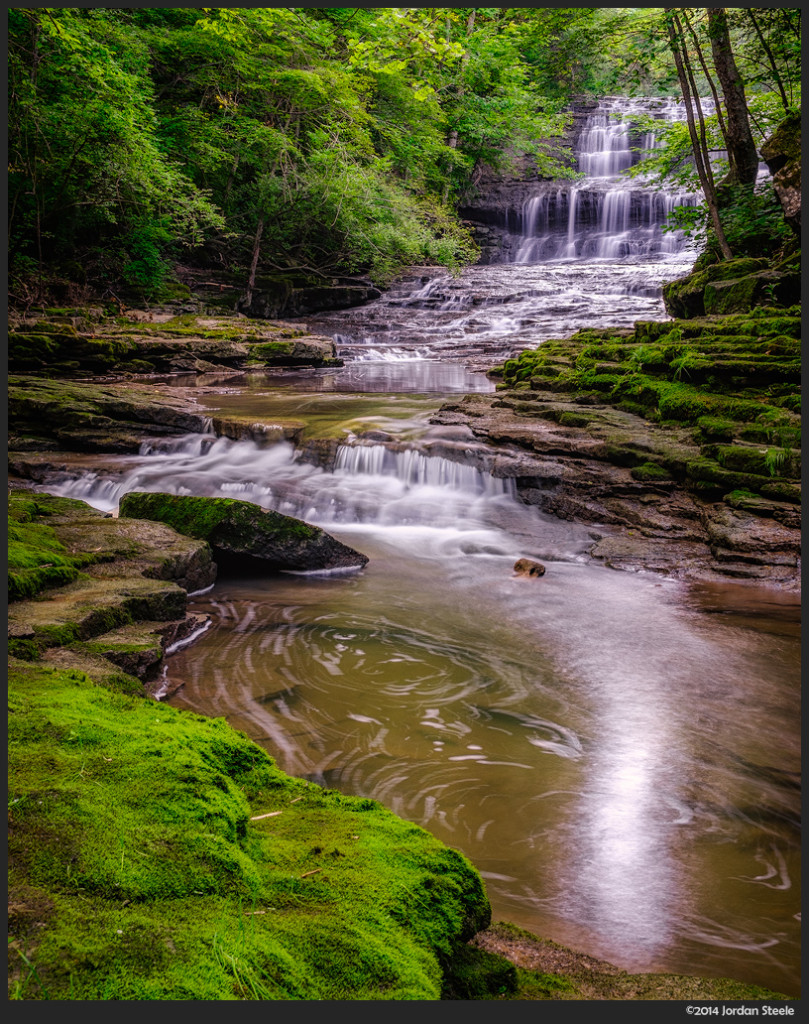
[
  {"x": 36, "y": 557},
  {"x": 156, "y": 854}
]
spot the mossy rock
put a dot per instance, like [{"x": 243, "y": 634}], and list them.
[
  {"x": 685, "y": 297},
  {"x": 752, "y": 459},
  {"x": 164, "y": 856},
  {"x": 705, "y": 471},
  {"x": 37, "y": 559},
  {"x": 714, "y": 428},
  {"x": 650, "y": 472},
  {"x": 743, "y": 293},
  {"x": 241, "y": 532},
  {"x": 88, "y": 608}
]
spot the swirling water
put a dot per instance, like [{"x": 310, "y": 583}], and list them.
[{"x": 618, "y": 754}]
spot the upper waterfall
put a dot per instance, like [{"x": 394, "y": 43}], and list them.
[{"x": 606, "y": 214}]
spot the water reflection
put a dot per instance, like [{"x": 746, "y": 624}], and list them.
[{"x": 576, "y": 739}]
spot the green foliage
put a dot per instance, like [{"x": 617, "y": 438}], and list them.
[
  {"x": 86, "y": 168},
  {"x": 326, "y": 140},
  {"x": 753, "y": 220}
]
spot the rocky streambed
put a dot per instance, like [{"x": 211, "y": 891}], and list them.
[{"x": 666, "y": 468}]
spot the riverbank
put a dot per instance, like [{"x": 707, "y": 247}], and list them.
[{"x": 681, "y": 440}]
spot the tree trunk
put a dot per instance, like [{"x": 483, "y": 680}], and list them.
[
  {"x": 764, "y": 45},
  {"x": 251, "y": 280},
  {"x": 701, "y": 156},
  {"x": 742, "y": 154}
]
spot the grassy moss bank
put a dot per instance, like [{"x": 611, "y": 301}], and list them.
[
  {"x": 730, "y": 385},
  {"x": 156, "y": 854}
]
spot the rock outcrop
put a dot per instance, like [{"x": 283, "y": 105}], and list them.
[
  {"x": 782, "y": 154},
  {"x": 241, "y": 533},
  {"x": 275, "y": 297},
  {"x": 654, "y": 436},
  {"x": 159, "y": 342},
  {"x": 122, "y": 606}
]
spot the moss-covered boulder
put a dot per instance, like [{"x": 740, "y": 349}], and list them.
[
  {"x": 685, "y": 297},
  {"x": 240, "y": 532},
  {"x": 766, "y": 287},
  {"x": 157, "y": 855}
]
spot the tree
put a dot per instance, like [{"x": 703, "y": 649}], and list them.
[
  {"x": 694, "y": 114},
  {"x": 741, "y": 149},
  {"x": 88, "y": 179}
]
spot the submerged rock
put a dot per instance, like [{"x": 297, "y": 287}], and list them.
[
  {"x": 240, "y": 532},
  {"x": 528, "y": 567}
]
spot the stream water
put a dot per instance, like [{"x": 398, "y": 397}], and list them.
[{"x": 618, "y": 754}]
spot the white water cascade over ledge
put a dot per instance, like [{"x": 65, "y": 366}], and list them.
[
  {"x": 593, "y": 253},
  {"x": 607, "y": 214}
]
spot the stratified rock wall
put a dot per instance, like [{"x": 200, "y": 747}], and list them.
[{"x": 782, "y": 153}]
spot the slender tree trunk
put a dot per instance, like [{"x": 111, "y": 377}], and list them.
[
  {"x": 766, "y": 48},
  {"x": 708, "y": 76},
  {"x": 701, "y": 158},
  {"x": 742, "y": 154},
  {"x": 251, "y": 280}
]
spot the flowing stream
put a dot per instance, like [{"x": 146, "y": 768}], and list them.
[{"x": 618, "y": 754}]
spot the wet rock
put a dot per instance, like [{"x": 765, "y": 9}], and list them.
[
  {"x": 276, "y": 297},
  {"x": 95, "y": 417},
  {"x": 528, "y": 567},
  {"x": 611, "y": 475},
  {"x": 782, "y": 154},
  {"x": 242, "y": 534}
]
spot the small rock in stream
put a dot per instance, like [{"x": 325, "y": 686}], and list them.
[{"x": 528, "y": 567}]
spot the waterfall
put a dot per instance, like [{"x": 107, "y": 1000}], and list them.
[
  {"x": 416, "y": 469},
  {"x": 605, "y": 215},
  {"x": 369, "y": 483}
]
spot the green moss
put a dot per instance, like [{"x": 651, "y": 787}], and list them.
[
  {"x": 476, "y": 974},
  {"x": 36, "y": 558},
  {"x": 714, "y": 428},
  {"x": 168, "y": 858},
  {"x": 270, "y": 349},
  {"x": 204, "y": 518},
  {"x": 574, "y": 419},
  {"x": 650, "y": 471}
]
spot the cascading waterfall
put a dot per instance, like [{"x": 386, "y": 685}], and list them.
[
  {"x": 602, "y": 217},
  {"x": 369, "y": 483}
]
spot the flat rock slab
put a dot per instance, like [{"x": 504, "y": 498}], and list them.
[
  {"x": 240, "y": 532},
  {"x": 90, "y": 608},
  {"x": 124, "y": 548}
]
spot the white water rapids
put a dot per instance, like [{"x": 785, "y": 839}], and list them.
[{"x": 618, "y": 754}]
